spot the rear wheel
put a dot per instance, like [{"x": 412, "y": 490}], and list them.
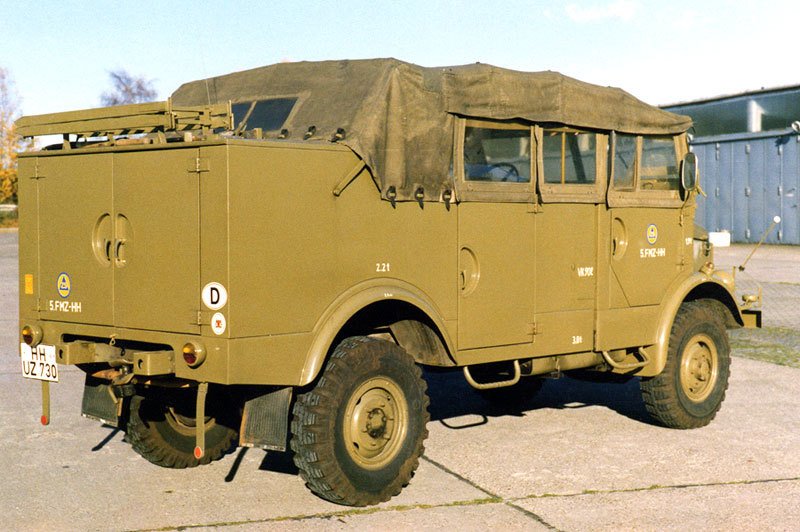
[
  {"x": 358, "y": 435},
  {"x": 690, "y": 390},
  {"x": 161, "y": 427}
]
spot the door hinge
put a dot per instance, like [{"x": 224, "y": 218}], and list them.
[
  {"x": 198, "y": 165},
  {"x": 37, "y": 174},
  {"x": 534, "y": 329}
]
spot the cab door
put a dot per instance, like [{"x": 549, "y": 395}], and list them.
[
  {"x": 572, "y": 170},
  {"x": 495, "y": 235},
  {"x": 650, "y": 231}
]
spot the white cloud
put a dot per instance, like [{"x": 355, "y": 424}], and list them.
[{"x": 618, "y": 9}]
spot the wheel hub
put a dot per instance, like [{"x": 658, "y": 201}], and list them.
[
  {"x": 699, "y": 367},
  {"x": 375, "y": 423}
]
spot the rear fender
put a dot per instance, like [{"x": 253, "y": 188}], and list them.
[{"x": 355, "y": 299}]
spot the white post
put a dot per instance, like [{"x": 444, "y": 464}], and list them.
[{"x": 754, "y": 113}]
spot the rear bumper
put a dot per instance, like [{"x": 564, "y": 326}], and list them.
[{"x": 264, "y": 360}]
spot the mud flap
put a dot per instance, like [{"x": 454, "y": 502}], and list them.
[
  {"x": 99, "y": 402},
  {"x": 265, "y": 421}
]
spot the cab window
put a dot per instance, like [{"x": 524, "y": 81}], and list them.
[
  {"x": 624, "y": 161},
  {"x": 645, "y": 170},
  {"x": 659, "y": 168},
  {"x": 497, "y": 154},
  {"x": 569, "y": 157}
]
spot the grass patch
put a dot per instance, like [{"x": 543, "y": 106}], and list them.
[
  {"x": 777, "y": 345},
  {"x": 9, "y": 219}
]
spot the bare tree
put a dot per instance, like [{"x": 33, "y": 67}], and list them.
[{"x": 128, "y": 88}]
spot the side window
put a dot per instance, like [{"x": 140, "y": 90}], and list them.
[
  {"x": 269, "y": 115},
  {"x": 624, "y": 161},
  {"x": 569, "y": 157},
  {"x": 498, "y": 155},
  {"x": 645, "y": 170},
  {"x": 659, "y": 167}
]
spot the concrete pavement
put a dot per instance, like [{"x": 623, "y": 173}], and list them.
[{"x": 579, "y": 456}]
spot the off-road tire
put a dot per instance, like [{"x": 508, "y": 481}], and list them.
[
  {"x": 358, "y": 434},
  {"x": 161, "y": 429},
  {"x": 690, "y": 390}
]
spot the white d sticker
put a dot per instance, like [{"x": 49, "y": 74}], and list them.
[
  {"x": 214, "y": 296},
  {"x": 218, "y": 323}
]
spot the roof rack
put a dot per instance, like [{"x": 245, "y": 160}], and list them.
[{"x": 129, "y": 119}]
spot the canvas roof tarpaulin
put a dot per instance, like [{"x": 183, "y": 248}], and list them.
[{"x": 398, "y": 117}]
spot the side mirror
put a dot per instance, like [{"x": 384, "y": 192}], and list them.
[{"x": 689, "y": 173}]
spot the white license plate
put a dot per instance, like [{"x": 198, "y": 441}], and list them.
[{"x": 39, "y": 362}]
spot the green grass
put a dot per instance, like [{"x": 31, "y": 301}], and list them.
[
  {"x": 8, "y": 219},
  {"x": 777, "y": 345}
]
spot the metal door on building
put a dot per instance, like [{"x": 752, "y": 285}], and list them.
[{"x": 749, "y": 179}]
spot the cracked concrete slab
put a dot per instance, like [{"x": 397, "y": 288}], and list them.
[{"x": 578, "y": 456}]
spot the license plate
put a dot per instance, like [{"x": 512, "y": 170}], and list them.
[{"x": 39, "y": 362}]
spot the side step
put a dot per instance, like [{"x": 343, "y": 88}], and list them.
[{"x": 498, "y": 384}]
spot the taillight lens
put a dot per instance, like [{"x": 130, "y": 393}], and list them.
[
  {"x": 193, "y": 354},
  {"x": 31, "y": 335}
]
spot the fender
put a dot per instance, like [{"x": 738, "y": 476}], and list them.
[
  {"x": 717, "y": 285},
  {"x": 356, "y": 298}
]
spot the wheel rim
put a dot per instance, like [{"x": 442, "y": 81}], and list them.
[
  {"x": 184, "y": 424},
  {"x": 375, "y": 423},
  {"x": 699, "y": 367}
]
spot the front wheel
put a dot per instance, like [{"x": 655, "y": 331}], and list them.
[
  {"x": 690, "y": 390},
  {"x": 358, "y": 435}
]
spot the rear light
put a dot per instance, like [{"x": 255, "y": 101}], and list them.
[
  {"x": 31, "y": 335},
  {"x": 193, "y": 354}
]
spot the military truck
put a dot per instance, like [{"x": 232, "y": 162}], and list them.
[{"x": 274, "y": 254}]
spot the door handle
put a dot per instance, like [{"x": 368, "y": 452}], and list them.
[{"x": 119, "y": 250}]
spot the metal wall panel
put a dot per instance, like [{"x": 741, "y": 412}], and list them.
[{"x": 749, "y": 179}]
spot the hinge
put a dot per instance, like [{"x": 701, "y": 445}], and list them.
[
  {"x": 199, "y": 317},
  {"x": 198, "y": 165},
  {"x": 534, "y": 329},
  {"x": 36, "y": 173},
  {"x": 533, "y": 208}
]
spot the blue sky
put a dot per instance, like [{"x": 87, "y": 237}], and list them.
[{"x": 59, "y": 53}]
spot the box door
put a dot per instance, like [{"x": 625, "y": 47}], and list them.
[
  {"x": 75, "y": 234},
  {"x": 156, "y": 250}
]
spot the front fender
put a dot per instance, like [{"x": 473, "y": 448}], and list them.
[
  {"x": 356, "y": 298},
  {"x": 715, "y": 285}
]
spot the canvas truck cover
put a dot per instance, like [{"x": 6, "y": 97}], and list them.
[{"x": 398, "y": 117}]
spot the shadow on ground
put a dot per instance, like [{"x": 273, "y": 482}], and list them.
[{"x": 451, "y": 397}]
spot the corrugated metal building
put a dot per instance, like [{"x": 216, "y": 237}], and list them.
[{"x": 749, "y": 150}]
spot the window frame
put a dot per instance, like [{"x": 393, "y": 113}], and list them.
[
  {"x": 491, "y": 191},
  {"x": 299, "y": 100},
  {"x": 639, "y": 197},
  {"x": 572, "y": 192}
]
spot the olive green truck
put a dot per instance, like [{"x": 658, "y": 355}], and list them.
[{"x": 273, "y": 255}]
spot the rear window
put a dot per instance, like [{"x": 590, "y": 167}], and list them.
[{"x": 269, "y": 115}]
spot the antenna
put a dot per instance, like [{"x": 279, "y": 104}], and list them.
[{"x": 775, "y": 221}]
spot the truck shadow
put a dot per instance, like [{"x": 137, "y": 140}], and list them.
[
  {"x": 457, "y": 406},
  {"x": 452, "y": 398}
]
